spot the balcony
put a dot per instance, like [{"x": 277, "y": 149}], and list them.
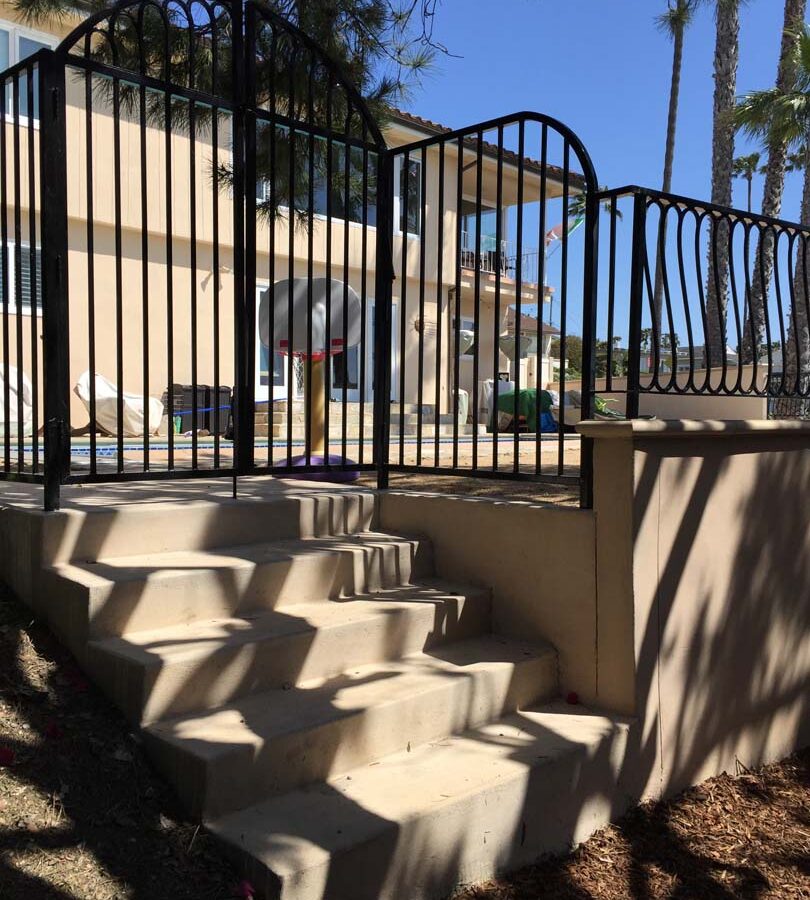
[{"x": 494, "y": 260}]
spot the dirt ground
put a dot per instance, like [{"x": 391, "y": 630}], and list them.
[
  {"x": 84, "y": 817},
  {"x": 742, "y": 837}
]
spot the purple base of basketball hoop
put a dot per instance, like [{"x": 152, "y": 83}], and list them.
[{"x": 336, "y": 476}]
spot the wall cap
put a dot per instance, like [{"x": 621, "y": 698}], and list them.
[{"x": 628, "y": 429}]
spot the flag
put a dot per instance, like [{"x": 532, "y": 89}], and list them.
[{"x": 556, "y": 233}]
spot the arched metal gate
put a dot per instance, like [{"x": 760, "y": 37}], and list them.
[{"x": 183, "y": 174}]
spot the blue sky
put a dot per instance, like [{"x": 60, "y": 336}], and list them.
[{"x": 604, "y": 69}]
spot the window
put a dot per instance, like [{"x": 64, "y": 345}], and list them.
[
  {"x": 344, "y": 203},
  {"x": 408, "y": 187},
  {"x": 10, "y": 291},
  {"x": 17, "y": 44}
]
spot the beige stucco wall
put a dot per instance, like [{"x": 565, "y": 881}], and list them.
[
  {"x": 703, "y": 569},
  {"x": 537, "y": 559}
]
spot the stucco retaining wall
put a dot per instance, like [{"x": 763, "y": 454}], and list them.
[{"x": 703, "y": 568}]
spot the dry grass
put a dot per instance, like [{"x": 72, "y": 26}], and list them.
[
  {"x": 82, "y": 815},
  {"x": 731, "y": 838}
]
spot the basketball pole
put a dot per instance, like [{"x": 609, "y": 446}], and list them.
[{"x": 317, "y": 410}]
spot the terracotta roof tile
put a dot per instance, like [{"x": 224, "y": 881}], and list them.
[{"x": 576, "y": 179}]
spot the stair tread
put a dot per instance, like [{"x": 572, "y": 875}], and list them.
[
  {"x": 177, "y": 643},
  {"x": 259, "y": 718},
  {"x": 169, "y": 564},
  {"x": 300, "y": 830}
]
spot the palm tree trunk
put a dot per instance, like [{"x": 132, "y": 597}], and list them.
[
  {"x": 797, "y": 355},
  {"x": 750, "y": 180},
  {"x": 726, "y": 59},
  {"x": 774, "y": 186},
  {"x": 666, "y": 186}
]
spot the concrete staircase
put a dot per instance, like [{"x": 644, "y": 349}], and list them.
[
  {"x": 346, "y": 722},
  {"x": 273, "y": 420}
]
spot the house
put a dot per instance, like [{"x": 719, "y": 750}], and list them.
[{"x": 151, "y": 257}]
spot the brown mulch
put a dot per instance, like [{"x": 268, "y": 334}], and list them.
[
  {"x": 731, "y": 838},
  {"x": 82, "y": 814}
]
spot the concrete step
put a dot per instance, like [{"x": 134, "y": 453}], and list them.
[
  {"x": 273, "y": 742},
  {"x": 201, "y": 665},
  {"x": 188, "y": 523},
  {"x": 138, "y": 593},
  {"x": 416, "y": 824}
]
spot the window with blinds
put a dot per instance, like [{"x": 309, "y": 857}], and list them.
[{"x": 27, "y": 288}]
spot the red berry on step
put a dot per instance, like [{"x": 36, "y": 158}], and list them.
[
  {"x": 572, "y": 697},
  {"x": 6, "y": 756}
]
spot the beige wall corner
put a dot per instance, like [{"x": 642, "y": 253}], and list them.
[
  {"x": 538, "y": 560},
  {"x": 720, "y": 589}
]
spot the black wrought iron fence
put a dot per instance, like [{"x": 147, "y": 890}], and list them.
[
  {"x": 699, "y": 300},
  {"x": 212, "y": 264},
  {"x": 471, "y": 392}
]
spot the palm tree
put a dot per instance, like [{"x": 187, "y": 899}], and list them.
[
  {"x": 783, "y": 117},
  {"x": 752, "y": 115},
  {"x": 746, "y": 167},
  {"x": 726, "y": 59},
  {"x": 673, "y": 23}
]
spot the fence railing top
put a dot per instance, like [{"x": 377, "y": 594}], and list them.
[{"x": 702, "y": 206}]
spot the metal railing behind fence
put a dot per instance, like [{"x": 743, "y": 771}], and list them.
[{"x": 697, "y": 299}]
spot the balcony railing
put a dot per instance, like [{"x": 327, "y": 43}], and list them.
[{"x": 491, "y": 259}]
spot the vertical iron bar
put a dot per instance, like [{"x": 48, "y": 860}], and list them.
[
  {"x": 192, "y": 226},
  {"x": 119, "y": 277},
  {"x": 53, "y": 178},
  {"x": 404, "y": 195},
  {"x": 18, "y": 265},
  {"x": 383, "y": 284},
  {"x": 147, "y": 426},
  {"x": 519, "y": 294},
  {"x": 437, "y": 415},
  {"x": 541, "y": 276},
  {"x": 496, "y": 351},
  {"x": 479, "y": 181},
  {"x": 33, "y": 279},
  {"x": 457, "y": 299},
  {"x": 6, "y": 279},
  {"x": 637, "y": 265},
  {"x": 590, "y": 300},
  {"x": 243, "y": 51},
  {"x": 587, "y": 363},
  {"x": 421, "y": 340}
]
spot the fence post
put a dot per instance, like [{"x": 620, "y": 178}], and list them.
[
  {"x": 638, "y": 259},
  {"x": 243, "y": 267},
  {"x": 590, "y": 299},
  {"x": 54, "y": 247},
  {"x": 383, "y": 282}
]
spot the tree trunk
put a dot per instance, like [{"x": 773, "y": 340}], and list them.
[
  {"x": 726, "y": 59},
  {"x": 774, "y": 186},
  {"x": 797, "y": 352},
  {"x": 750, "y": 179},
  {"x": 666, "y": 186}
]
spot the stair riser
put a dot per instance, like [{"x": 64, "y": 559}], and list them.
[
  {"x": 209, "y": 594},
  {"x": 448, "y": 705},
  {"x": 189, "y": 525},
  {"x": 147, "y": 693},
  {"x": 540, "y": 809}
]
